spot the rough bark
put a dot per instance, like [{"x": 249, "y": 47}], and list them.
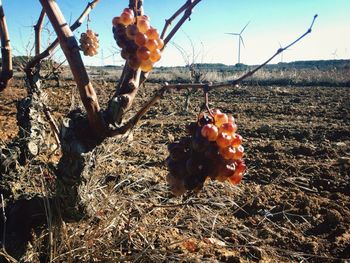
[
  {"x": 70, "y": 48},
  {"x": 6, "y": 52},
  {"x": 37, "y": 30}
]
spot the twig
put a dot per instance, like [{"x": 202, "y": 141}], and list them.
[
  {"x": 169, "y": 21},
  {"x": 206, "y": 88},
  {"x": 8, "y": 257},
  {"x": 48, "y": 51},
  {"x": 53, "y": 125},
  {"x": 280, "y": 50},
  {"x": 129, "y": 82},
  {"x": 70, "y": 48},
  {"x": 37, "y": 29},
  {"x": 6, "y": 52},
  {"x": 190, "y": 4},
  {"x": 54, "y": 69},
  {"x": 4, "y": 223}
]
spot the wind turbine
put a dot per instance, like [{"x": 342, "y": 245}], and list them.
[
  {"x": 281, "y": 54},
  {"x": 334, "y": 54},
  {"x": 240, "y": 40}
]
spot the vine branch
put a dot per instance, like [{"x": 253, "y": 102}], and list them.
[
  {"x": 6, "y": 52},
  {"x": 37, "y": 30},
  {"x": 48, "y": 51},
  {"x": 70, "y": 49},
  {"x": 205, "y": 87},
  {"x": 187, "y": 9}
]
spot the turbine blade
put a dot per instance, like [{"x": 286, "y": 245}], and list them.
[
  {"x": 241, "y": 39},
  {"x": 235, "y": 34},
  {"x": 244, "y": 28}
]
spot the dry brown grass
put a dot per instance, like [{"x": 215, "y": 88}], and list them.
[{"x": 131, "y": 217}]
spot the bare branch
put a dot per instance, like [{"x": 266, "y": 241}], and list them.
[
  {"x": 205, "y": 87},
  {"x": 251, "y": 72},
  {"x": 169, "y": 21},
  {"x": 6, "y": 52},
  {"x": 53, "y": 125},
  {"x": 4, "y": 218},
  {"x": 37, "y": 29},
  {"x": 188, "y": 11},
  {"x": 48, "y": 51},
  {"x": 70, "y": 49},
  {"x": 129, "y": 82}
]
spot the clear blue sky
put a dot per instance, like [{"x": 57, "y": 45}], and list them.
[{"x": 271, "y": 22}]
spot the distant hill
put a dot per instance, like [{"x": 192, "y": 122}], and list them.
[{"x": 308, "y": 64}]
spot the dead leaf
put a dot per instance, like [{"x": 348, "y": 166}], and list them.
[
  {"x": 190, "y": 245},
  {"x": 214, "y": 241}
]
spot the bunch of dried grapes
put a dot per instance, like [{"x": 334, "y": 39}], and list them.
[
  {"x": 212, "y": 150},
  {"x": 89, "y": 43},
  {"x": 140, "y": 43}
]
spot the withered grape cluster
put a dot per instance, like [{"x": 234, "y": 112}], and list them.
[
  {"x": 89, "y": 43},
  {"x": 140, "y": 43},
  {"x": 212, "y": 150}
]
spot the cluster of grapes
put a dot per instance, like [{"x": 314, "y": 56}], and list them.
[
  {"x": 140, "y": 43},
  {"x": 213, "y": 150},
  {"x": 89, "y": 43}
]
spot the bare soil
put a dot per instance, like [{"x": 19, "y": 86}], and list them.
[{"x": 292, "y": 206}]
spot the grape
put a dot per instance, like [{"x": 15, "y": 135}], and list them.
[
  {"x": 143, "y": 25},
  {"x": 125, "y": 55},
  {"x": 89, "y": 33},
  {"x": 220, "y": 118},
  {"x": 208, "y": 152},
  {"x": 115, "y": 21},
  {"x": 140, "y": 39},
  {"x": 212, "y": 153},
  {"x": 178, "y": 154},
  {"x": 200, "y": 144},
  {"x": 215, "y": 111},
  {"x": 237, "y": 176},
  {"x": 230, "y": 118},
  {"x": 131, "y": 31},
  {"x": 225, "y": 170},
  {"x": 228, "y": 152},
  {"x": 194, "y": 181},
  {"x": 155, "y": 55},
  {"x": 131, "y": 47},
  {"x": 204, "y": 119},
  {"x": 228, "y": 127},
  {"x": 119, "y": 30},
  {"x": 185, "y": 142},
  {"x": 177, "y": 186},
  {"x": 126, "y": 18},
  {"x": 143, "y": 53},
  {"x": 239, "y": 152},
  {"x": 177, "y": 169},
  {"x": 160, "y": 43},
  {"x": 152, "y": 33},
  {"x": 89, "y": 43},
  {"x": 151, "y": 44},
  {"x": 129, "y": 11},
  {"x": 134, "y": 62},
  {"x": 194, "y": 166},
  {"x": 223, "y": 140},
  {"x": 146, "y": 65},
  {"x": 210, "y": 132},
  {"x": 240, "y": 167},
  {"x": 172, "y": 146},
  {"x": 140, "y": 42},
  {"x": 191, "y": 128},
  {"x": 236, "y": 140}
]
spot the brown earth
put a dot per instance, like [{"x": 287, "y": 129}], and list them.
[{"x": 292, "y": 206}]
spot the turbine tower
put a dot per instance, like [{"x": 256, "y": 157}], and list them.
[{"x": 240, "y": 40}]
